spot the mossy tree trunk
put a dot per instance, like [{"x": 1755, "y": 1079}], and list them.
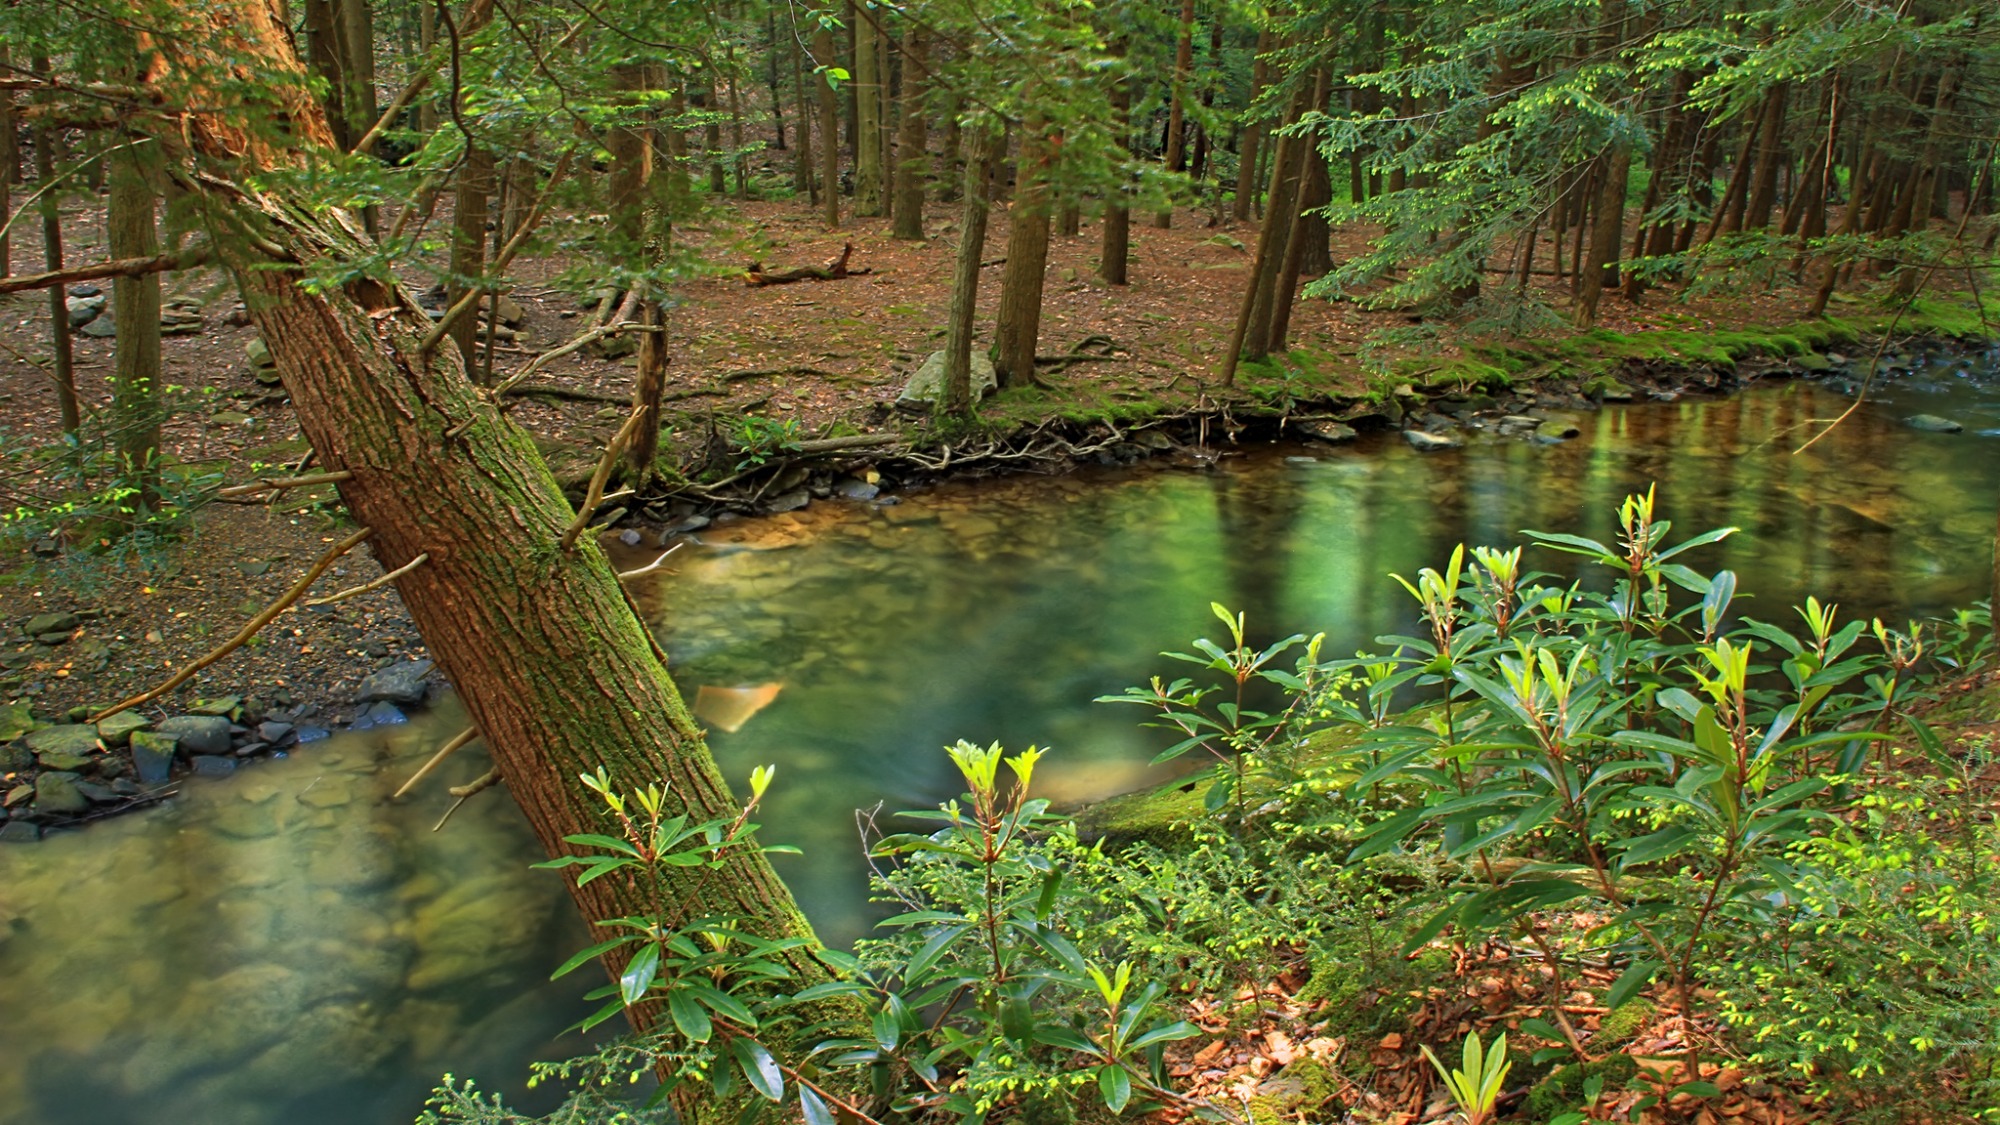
[{"x": 545, "y": 651}]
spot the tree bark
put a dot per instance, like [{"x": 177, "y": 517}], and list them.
[
  {"x": 957, "y": 398},
  {"x": 1252, "y": 136},
  {"x": 829, "y": 129},
  {"x": 554, "y": 667},
  {"x": 912, "y": 140},
  {"x": 1020, "y": 318},
  {"x": 1175, "y": 158},
  {"x": 10, "y": 168},
  {"x": 1115, "y": 253},
  {"x": 1771, "y": 150},
  {"x": 63, "y": 365},
  {"x": 472, "y": 188},
  {"x": 327, "y": 56},
  {"x": 135, "y": 309}
]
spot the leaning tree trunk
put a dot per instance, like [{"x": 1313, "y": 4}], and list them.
[
  {"x": 1252, "y": 135},
  {"x": 553, "y": 666}
]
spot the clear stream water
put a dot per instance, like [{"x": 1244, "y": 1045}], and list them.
[{"x": 291, "y": 945}]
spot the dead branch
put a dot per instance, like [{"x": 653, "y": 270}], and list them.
[
  {"x": 256, "y": 624},
  {"x": 474, "y": 17},
  {"x": 572, "y": 394},
  {"x": 649, "y": 567},
  {"x": 458, "y": 742},
  {"x": 576, "y": 343},
  {"x": 357, "y": 591},
  {"x": 851, "y": 441},
  {"x": 500, "y": 261},
  {"x": 759, "y": 373},
  {"x": 465, "y": 793},
  {"x": 97, "y": 271},
  {"x": 279, "y": 484},
  {"x": 834, "y": 270},
  {"x": 594, "y": 495}
]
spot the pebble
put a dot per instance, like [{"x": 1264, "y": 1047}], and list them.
[{"x": 1428, "y": 442}]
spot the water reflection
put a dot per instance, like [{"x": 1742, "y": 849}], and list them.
[{"x": 288, "y": 945}]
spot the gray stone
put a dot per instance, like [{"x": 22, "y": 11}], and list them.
[
  {"x": 53, "y": 639},
  {"x": 20, "y": 832},
  {"x": 927, "y": 385},
  {"x": 854, "y": 488},
  {"x": 99, "y": 328},
  {"x": 613, "y": 347},
  {"x": 198, "y": 734},
  {"x": 50, "y": 623},
  {"x": 116, "y": 730},
  {"x": 691, "y": 523},
  {"x": 382, "y": 713},
  {"x": 1931, "y": 423},
  {"x": 1430, "y": 443},
  {"x": 223, "y": 705},
  {"x": 788, "y": 501},
  {"x": 313, "y": 734},
  {"x": 631, "y": 537},
  {"x": 1333, "y": 433},
  {"x": 98, "y": 794},
  {"x": 56, "y": 792},
  {"x": 274, "y": 732},
  {"x": 1555, "y": 430},
  {"x": 213, "y": 765},
  {"x": 399, "y": 683},
  {"x": 83, "y": 310},
  {"x": 18, "y": 795},
  {"x": 71, "y": 740},
  {"x": 16, "y": 720},
  {"x": 153, "y": 756}
]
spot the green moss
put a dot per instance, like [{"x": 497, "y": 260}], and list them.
[
  {"x": 1562, "y": 1091},
  {"x": 1621, "y": 1025},
  {"x": 1297, "y": 1092}
]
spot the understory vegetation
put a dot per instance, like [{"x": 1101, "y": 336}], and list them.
[{"x": 1682, "y": 860}]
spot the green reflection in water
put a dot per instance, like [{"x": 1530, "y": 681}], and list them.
[{"x": 288, "y": 946}]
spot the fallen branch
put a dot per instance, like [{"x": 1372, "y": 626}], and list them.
[
  {"x": 759, "y": 373},
  {"x": 465, "y": 793},
  {"x": 256, "y": 624},
  {"x": 458, "y": 742},
  {"x": 279, "y": 484},
  {"x": 851, "y": 441},
  {"x": 594, "y": 495},
  {"x": 571, "y": 394},
  {"x": 649, "y": 567},
  {"x": 97, "y": 271},
  {"x": 834, "y": 270},
  {"x": 357, "y": 591}
]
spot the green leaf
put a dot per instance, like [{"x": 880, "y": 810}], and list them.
[
  {"x": 813, "y": 1108},
  {"x": 1630, "y": 982},
  {"x": 1115, "y": 1085},
  {"x": 689, "y": 1017},
  {"x": 639, "y": 974},
  {"x": 586, "y": 956},
  {"x": 759, "y": 1068}
]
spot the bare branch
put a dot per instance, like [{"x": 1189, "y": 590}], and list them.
[
  {"x": 458, "y": 742},
  {"x": 279, "y": 484},
  {"x": 500, "y": 262},
  {"x": 649, "y": 567},
  {"x": 116, "y": 267},
  {"x": 257, "y": 623},
  {"x": 357, "y": 591},
  {"x": 594, "y": 495}
]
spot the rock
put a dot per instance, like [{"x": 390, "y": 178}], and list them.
[
  {"x": 72, "y": 741},
  {"x": 927, "y": 384},
  {"x": 1555, "y": 430},
  {"x": 179, "y": 318},
  {"x": 1610, "y": 390},
  {"x": 1812, "y": 361},
  {"x": 222, "y": 705},
  {"x": 1223, "y": 240},
  {"x": 117, "y": 729},
  {"x": 1430, "y": 443},
  {"x": 213, "y": 765},
  {"x": 84, "y": 289},
  {"x": 631, "y": 537},
  {"x": 788, "y": 501},
  {"x": 380, "y": 714},
  {"x": 854, "y": 488},
  {"x": 99, "y": 328},
  {"x": 511, "y": 312},
  {"x": 18, "y": 795},
  {"x": 613, "y": 347},
  {"x": 83, "y": 310},
  {"x": 1931, "y": 423},
  {"x": 691, "y": 523},
  {"x": 197, "y": 734},
  {"x": 1333, "y": 433},
  {"x": 153, "y": 756},
  {"x": 52, "y": 639},
  {"x": 20, "y": 832},
  {"x": 98, "y": 794},
  {"x": 56, "y": 792},
  {"x": 313, "y": 734},
  {"x": 610, "y": 517},
  {"x": 402, "y": 682},
  {"x": 259, "y": 353},
  {"x": 274, "y": 732},
  {"x": 230, "y": 418},
  {"x": 50, "y": 623},
  {"x": 16, "y": 720}
]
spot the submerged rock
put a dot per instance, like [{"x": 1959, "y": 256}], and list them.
[
  {"x": 1931, "y": 423},
  {"x": 402, "y": 682},
  {"x": 1430, "y": 443},
  {"x": 153, "y": 755},
  {"x": 1333, "y": 433}
]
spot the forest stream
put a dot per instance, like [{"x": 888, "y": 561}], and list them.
[{"x": 291, "y": 945}]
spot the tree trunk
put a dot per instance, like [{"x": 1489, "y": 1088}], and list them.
[
  {"x": 829, "y": 129},
  {"x": 473, "y": 186},
  {"x": 867, "y": 111},
  {"x": 135, "y": 309},
  {"x": 427, "y": 114},
  {"x": 1252, "y": 136},
  {"x": 1770, "y": 155},
  {"x": 802, "y": 157},
  {"x": 63, "y": 365},
  {"x": 1175, "y": 157},
  {"x": 885, "y": 110},
  {"x": 357, "y": 41},
  {"x": 1020, "y": 318},
  {"x": 956, "y": 401},
  {"x": 552, "y": 664},
  {"x": 10, "y": 168},
  {"x": 1116, "y": 251},
  {"x": 1253, "y": 319},
  {"x": 327, "y": 55},
  {"x": 912, "y": 140}
]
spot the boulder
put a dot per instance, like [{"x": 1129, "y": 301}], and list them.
[
  {"x": 926, "y": 386},
  {"x": 16, "y": 720},
  {"x": 99, "y": 328},
  {"x": 198, "y": 734},
  {"x": 1555, "y": 430},
  {"x": 1931, "y": 423},
  {"x": 402, "y": 682},
  {"x": 854, "y": 488},
  {"x": 1333, "y": 433},
  {"x": 83, "y": 310},
  {"x": 153, "y": 755},
  {"x": 50, "y": 623},
  {"x": 74, "y": 742},
  {"x": 56, "y": 792},
  {"x": 1424, "y": 442},
  {"x": 116, "y": 730}
]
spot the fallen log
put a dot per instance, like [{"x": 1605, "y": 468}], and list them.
[{"x": 834, "y": 270}]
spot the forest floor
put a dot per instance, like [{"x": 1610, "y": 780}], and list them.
[{"x": 819, "y": 358}]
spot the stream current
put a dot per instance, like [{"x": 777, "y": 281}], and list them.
[{"x": 291, "y": 945}]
